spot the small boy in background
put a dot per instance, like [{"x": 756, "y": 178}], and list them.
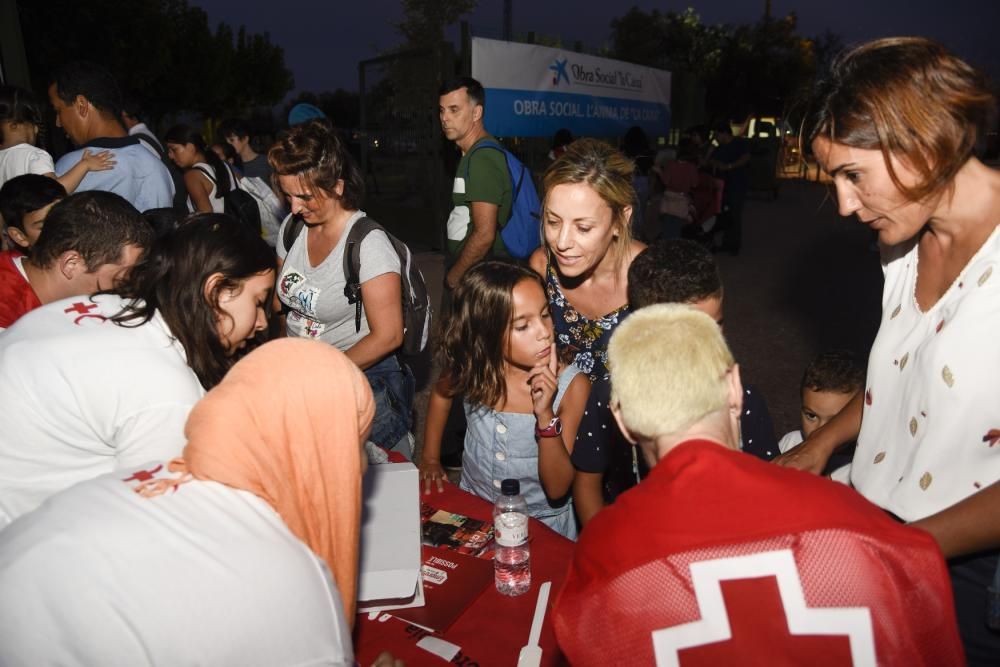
[
  {"x": 24, "y": 203},
  {"x": 236, "y": 132},
  {"x": 830, "y": 381}
]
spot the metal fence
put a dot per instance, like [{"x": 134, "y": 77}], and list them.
[{"x": 402, "y": 152}]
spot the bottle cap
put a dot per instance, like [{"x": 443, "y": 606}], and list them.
[{"x": 510, "y": 487}]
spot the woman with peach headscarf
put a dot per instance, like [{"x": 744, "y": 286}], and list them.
[{"x": 221, "y": 557}]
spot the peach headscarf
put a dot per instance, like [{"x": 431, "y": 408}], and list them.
[{"x": 287, "y": 424}]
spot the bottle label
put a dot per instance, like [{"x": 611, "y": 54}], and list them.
[{"x": 511, "y": 529}]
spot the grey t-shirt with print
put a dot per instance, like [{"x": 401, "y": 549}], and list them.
[{"x": 315, "y": 295}]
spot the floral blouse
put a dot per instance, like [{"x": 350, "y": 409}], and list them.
[{"x": 584, "y": 341}]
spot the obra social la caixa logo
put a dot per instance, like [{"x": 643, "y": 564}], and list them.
[
  {"x": 559, "y": 73},
  {"x": 583, "y": 75}
]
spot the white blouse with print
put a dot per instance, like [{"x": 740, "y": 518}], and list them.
[{"x": 930, "y": 435}]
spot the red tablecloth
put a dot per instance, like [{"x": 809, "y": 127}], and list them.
[{"x": 495, "y": 627}]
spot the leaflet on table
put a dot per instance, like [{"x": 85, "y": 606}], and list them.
[
  {"x": 456, "y": 531},
  {"x": 390, "y": 558},
  {"x": 452, "y": 582}
]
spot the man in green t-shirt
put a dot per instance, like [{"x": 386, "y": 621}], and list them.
[
  {"x": 481, "y": 198},
  {"x": 482, "y": 193}
]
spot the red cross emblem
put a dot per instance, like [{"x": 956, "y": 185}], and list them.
[
  {"x": 747, "y": 601},
  {"x": 84, "y": 312},
  {"x": 143, "y": 475},
  {"x": 82, "y": 308}
]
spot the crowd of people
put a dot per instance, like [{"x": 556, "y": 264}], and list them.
[{"x": 162, "y": 459}]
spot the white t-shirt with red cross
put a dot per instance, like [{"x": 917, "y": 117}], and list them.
[
  {"x": 204, "y": 575},
  {"x": 82, "y": 396}
]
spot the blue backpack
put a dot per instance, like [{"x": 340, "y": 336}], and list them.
[{"x": 521, "y": 234}]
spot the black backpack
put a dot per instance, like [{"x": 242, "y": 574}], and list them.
[
  {"x": 416, "y": 301},
  {"x": 238, "y": 203}
]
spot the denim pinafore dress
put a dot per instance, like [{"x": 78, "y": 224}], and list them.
[{"x": 501, "y": 445}]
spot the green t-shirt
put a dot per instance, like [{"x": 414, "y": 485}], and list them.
[{"x": 489, "y": 181}]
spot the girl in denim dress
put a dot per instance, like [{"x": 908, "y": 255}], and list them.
[{"x": 522, "y": 405}]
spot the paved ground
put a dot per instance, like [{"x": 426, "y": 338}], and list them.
[{"x": 806, "y": 280}]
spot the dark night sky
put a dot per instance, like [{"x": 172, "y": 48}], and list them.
[{"x": 323, "y": 41}]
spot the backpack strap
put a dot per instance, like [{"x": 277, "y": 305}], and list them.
[
  {"x": 482, "y": 144},
  {"x": 233, "y": 181},
  {"x": 208, "y": 175},
  {"x": 520, "y": 180},
  {"x": 352, "y": 264},
  {"x": 516, "y": 186},
  {"x": 292, "y": 230},
  {"x": 215, "y": 183},
  {"x": 148, "y": 140}
]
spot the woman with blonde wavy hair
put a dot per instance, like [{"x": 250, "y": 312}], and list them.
[{"x": 586, "y": 226}]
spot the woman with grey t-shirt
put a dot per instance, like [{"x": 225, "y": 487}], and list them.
[{"x": 324, "y": 189}]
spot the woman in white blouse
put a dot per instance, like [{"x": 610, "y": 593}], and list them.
[{"x": 895, "y": 125}]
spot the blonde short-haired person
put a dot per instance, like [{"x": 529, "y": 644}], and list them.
[{"x": 685, "y": 564}]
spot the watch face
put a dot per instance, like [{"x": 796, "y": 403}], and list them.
[{"x": 552, "y": 430}]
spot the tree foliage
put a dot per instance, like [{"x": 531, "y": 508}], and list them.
[
  {"x": 424, "y": 21},
  {"x": 162, "y": 51},
  {"x": 744, "y": 69},
  {"x": 763, "y": 67},
  {"x": 406, "y": 92},
  {"x": 669, "y": 41}
]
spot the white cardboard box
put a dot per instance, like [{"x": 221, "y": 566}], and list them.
[{"x": 389, "y": 572}]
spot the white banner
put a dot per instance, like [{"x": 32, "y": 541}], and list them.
[{"x": 536, "y": 90}]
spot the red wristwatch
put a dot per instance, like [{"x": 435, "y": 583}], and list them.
[{"x": 552, "y": 430}]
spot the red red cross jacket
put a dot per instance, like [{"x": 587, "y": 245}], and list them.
[
  {"x": 719, "y": 558},
  {"x": 16, "y": 295}
]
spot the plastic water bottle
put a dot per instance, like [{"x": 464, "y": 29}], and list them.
[{"x": 512, "y": 559}]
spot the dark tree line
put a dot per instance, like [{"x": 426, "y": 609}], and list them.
[
  {"x": 759, "y": 68},
  {"x": 401, "y": 91},
  {"x": 162, "y": 51}
]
